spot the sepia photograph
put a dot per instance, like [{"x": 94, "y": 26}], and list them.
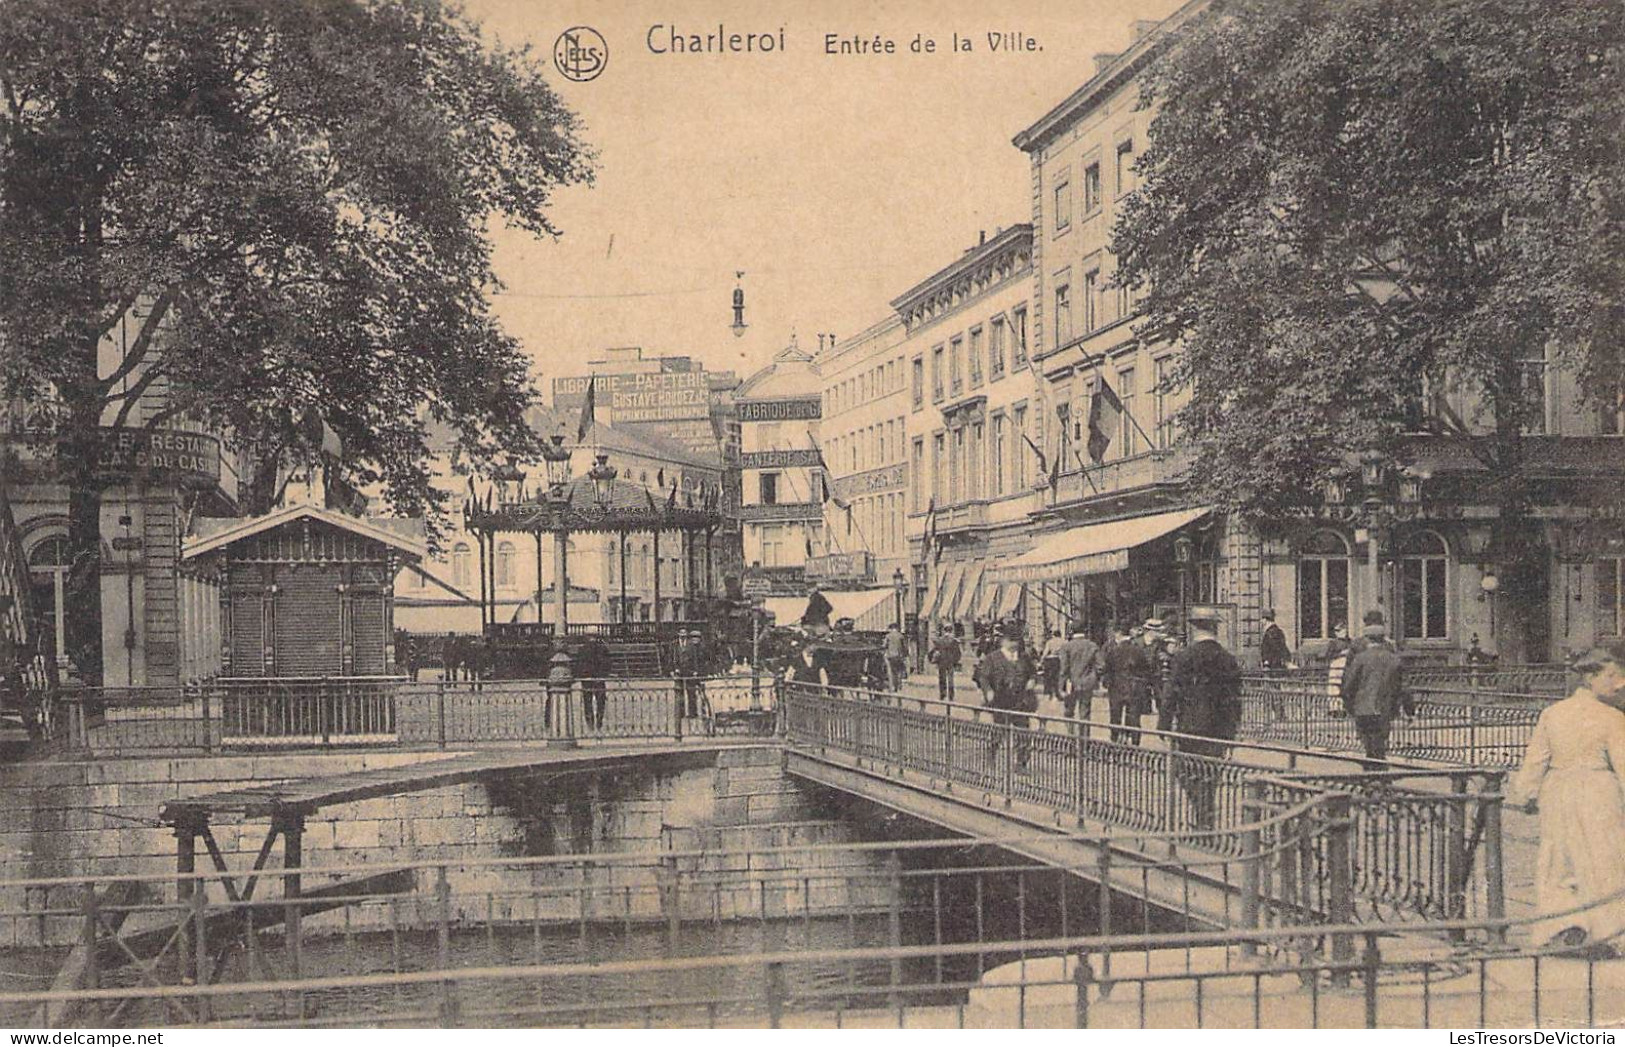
[{"x": 754, "y": 514}]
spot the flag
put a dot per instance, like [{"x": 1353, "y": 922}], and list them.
[
  {"x": 660, "y": 477},
  {"x": 819, "y": 451},
  {"x": 651, "y": 498},
  {"x": 928, "y": 545},
  {"x": 671, "y": 502},
  {"x": 1055, "y": 473},
  {"x": 1105, "y": 416},
  {"x": 589, "y": 413},
  {"x": 807, "y": 539},
  {"x": 1043, "y": 463}
]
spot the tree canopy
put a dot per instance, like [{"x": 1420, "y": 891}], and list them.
[
  {"x": 297, "y": 194},
  {"x": 1344, "y": 201}
]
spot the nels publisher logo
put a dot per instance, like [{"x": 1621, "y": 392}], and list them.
[{"x": 580, "y": 53}]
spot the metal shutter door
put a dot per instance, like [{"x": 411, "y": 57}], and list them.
[
  {"x": 367, "y": 632},
  {"x": 247, "y": 643},
  {"x": 307, "y": 623}
]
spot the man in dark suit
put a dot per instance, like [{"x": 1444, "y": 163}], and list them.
[
  {"x": 1373, "y": 690},
  {"x": 1273, "y": 652},
  {"x": 1129, "y": 677},
  {"x": 593, "y": 666},
  {"x": 1204, "y": 701},
  {"x": 1009, "y": 678}
]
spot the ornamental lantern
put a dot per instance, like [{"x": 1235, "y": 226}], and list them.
[
  {"x": 1372, "y": 469},
  {"x": 739, "y": 325},
  {"x": 557, "y": 457},
  {"x": 602, "y": 475},
  {"x": 1184, "y": 549}
]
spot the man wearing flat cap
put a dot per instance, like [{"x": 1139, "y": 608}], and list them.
[{"x": 1374, "y": 690}]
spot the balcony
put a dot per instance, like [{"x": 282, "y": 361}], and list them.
[
  {"x": 961, "y": 517},
  {"x": 1149, "y": 469}
]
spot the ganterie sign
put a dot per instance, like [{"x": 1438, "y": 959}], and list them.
[
  {"x": 804, "y": 410},
  {"x": 886, "y": 478},
  {"x": 778, "y": 459},
  {"x": 127, "y": 452}
]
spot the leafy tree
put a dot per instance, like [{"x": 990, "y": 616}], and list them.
[
  {"x": 284, "y": 205},
  {"x": 1345, "y": 202}
]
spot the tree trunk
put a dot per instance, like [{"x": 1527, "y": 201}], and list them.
[
  {"x": 81, "y": 449},
  {"x": 1518, "y": 545}
]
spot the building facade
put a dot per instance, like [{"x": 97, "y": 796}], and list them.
[
  {"x": 970, "y": 400},
  {"x": 781, "y": 474},
  {"x": 865, "y": 440}
]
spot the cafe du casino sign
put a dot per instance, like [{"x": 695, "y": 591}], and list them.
[
  {"x": 128, "y": 452},
  {"x": 803, "y": 410}
]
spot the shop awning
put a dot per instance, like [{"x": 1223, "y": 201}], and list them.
[
  {"x": 988, "y": 605},
  {"x": 948, "y": 594},
  {"x": 1009, "y": 601},
  {"x": 965, "y": 606},
  {"x": 1092, "y": 548},
  {"x": 933, "y": 592}
]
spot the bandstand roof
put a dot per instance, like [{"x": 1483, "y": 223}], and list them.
[{"x": 631, "y": 507}]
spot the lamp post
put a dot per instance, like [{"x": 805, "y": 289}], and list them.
[
  {"x": 1387, "y": 499},
  {"x": 557, "y": 459},
  {"x": 603, "y": 475},
  {"x": 897, "y": 582},
  {"x": 1184, "y": 553}
]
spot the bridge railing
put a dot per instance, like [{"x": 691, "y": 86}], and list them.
[
  {"x": 247, "y": 714},
  {"x": 1476, "y": 728},
  {"x": 1416, "y": 833},
  {"x": 903, "y": 932}
]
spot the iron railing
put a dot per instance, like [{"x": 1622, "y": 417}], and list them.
[
  {"x": 919, "y": 933},
  {"x": 348, "y": 712},
  {"x": 1416, "y": 834},
  {"x": 1465, "y": 727}
]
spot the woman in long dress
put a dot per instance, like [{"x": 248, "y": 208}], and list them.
[{"x": 1574, "y": 772}]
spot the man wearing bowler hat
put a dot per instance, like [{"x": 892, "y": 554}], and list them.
[
  {"x": 1009, "y": 683},
  {"x": 1203, "y": 699},
  {"x": 1374, "y": 691}
]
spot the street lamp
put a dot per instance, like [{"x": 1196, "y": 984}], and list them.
[
  {"x": 602, "y": 475},
  {"x": 557, "y": 457},
  {"x": 511, "y": 480},
  {"x": 897, "y": 582},
  {"x": 1184, "y": 553}
]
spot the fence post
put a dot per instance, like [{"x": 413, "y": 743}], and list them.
[
  {"x": 200, "y": 940},
  {"x": 1252, "y": 806},
  {"x": 440, "y": 712},
  {"x": 204, "y": 691},
  {"x": 323, "y": 719},
  {"x": 902, "y": 752},
  {"x": 93, "y": 975},
  {"x": 450, "y": 1011},
  {"x": 1083, "y": 976},
  {"x": 1495, "y": 902},
  {"x": 1456, "y": 826},
  {"x": 1340, "y": 881},
  {"x": 1009, "y": 763}
]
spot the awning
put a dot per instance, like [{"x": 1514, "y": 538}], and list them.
[
  {"x": 871, "y": 610},
  {"x": 988, "y": 605},
  {"x": 965, "y": 606},
  {"x": 933, "y": 592},
  {"x": 1009, "y": 601},
  {"x": 948, "y": 594},
  {"x": 1092, "y": 548}
]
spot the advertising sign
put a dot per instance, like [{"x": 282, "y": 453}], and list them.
[
  {"x": 804, "y": 410},
  {"x": 665, "y": 397},
  {"x": 129, "y": 452},
  {"x": 778, "y": 459}
]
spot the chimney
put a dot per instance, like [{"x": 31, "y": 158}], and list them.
[
  {"x": 1142, "y": 27},
  {"x": 1104, "y": 59}
]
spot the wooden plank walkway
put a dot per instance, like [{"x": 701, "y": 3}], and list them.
[{"x": 304, "y": 796}]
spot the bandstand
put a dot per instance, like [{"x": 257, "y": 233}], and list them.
[{"x": 598, "y": 502}]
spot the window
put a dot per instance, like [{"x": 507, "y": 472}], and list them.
[
  {"x": 462, "y": 564},
  {"x": 916, "y": 476},
  {"x": 1323, "y": 586},
  {"x": 936, "y": 373},
  {"x": 1018, "y": 337},
  {"x": 1423, "y": 583},
  {"x": 973, "y": 463},
  {"x": 939, "y": 474},
  {"x": 773, "y": 545},
  {"x": 1018, "y": 447},
  {"x": 1610, "y": 576},
  {"x": 1125, "y": 393},
  {"x": 1063, "y": 442},
  {"x": 1162, "y": 408},
  {"x": 770, "y": 488},
  {"x": 956, "y": 365},
  {"x": 975, "y": 357},
  {"x": 1063, "y": 314},
  {"x": 1091, "y": 188},
  {"x": 505, "y": 565},
  {"x": 48, "y": 565},
  {"x": 1125, "y": 302},
  {"x": 956, "y": 468},
  {"x": 995, "y": 458},
  {"x": 1091, "y": 291},
  {"x": 995, "y": 349},
  {"x": 1063, "y": 204},
  {"x": 917, "y": 377},
  {"x": 1125, "y": 167}
]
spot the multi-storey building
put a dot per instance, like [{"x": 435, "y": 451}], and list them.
[
  {"x": 971, "y": 406},
  {"x": 1120, "y": 538},
  {"x": 780, "y": 407},
  {"x": 865, "y": 444}
]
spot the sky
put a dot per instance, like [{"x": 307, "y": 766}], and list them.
[{"x": 834, "y": 182}]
